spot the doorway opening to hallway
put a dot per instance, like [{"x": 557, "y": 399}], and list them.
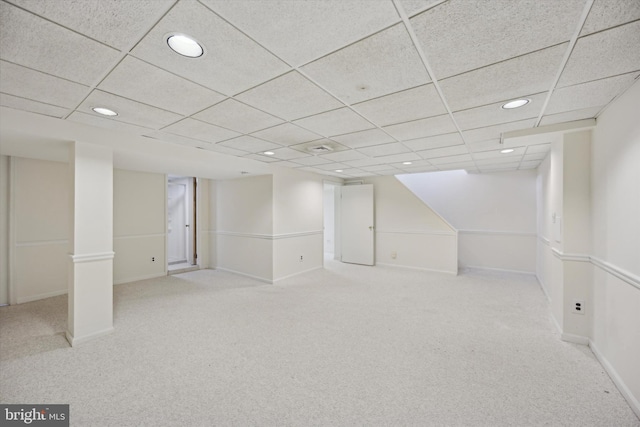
[{"x": 181, "y": 224}]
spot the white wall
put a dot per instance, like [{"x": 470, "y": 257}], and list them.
[
  {"x": 40, "y": 229},
  {"x": 408, "y": 232},
  {"x": 244, "y": 225},
  {"x": 615, "y": 253},
  {"x": 329, "y": 219},
  {"x": 4, "y": 230},
  {"x": 139, "y": 225},
  {"x": 495, "y": 214}
]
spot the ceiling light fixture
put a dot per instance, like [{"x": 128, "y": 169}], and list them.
[
  {"x": 104, "y": 111},
  {"x": 407, "y": 163},
  {"x": 516, "y": 103},
  {"x": 338, "y": 170},
  {"x": 184, "y": 45},
  {"x": 507, "y": 151},
  {"x": 268, "y": 153}
]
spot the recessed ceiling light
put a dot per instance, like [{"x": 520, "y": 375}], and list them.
[
  {"x": 507, "y": 151},
  {"x": 184, "y": 45},
  {"x": 104, "y": 111},
  {"x": 516, "y": 103},
  {"x": 338, "y": 170},
  {"x": 407, "y": 163},
  {"x": 268, "y": 153}
]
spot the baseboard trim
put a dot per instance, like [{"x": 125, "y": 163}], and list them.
[
  {"x": 76, "y": 341},
  {"x": 502, "y": 270},
  {"x": 613, "y": 374},
  {"x": 297, "y": 274},
  {"x": 42, "y": 296},
  {"x": 139, "y": 278},
  {"x": 409, "y": 267},
  {"x": 240, "y": 273},
  {"x": 575, "y": 339}
]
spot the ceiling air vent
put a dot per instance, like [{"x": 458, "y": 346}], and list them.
[{"x": 320, "y": 149}]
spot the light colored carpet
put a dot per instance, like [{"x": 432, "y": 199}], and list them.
[{"x": 344, "y": 346}]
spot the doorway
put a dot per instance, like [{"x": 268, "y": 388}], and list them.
[{"x": 181, "y": 224}]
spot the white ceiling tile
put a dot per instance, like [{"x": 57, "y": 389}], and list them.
[
  {"x": 494, "y": 132},
  {"x": 139, "y": 81},
  {"x": 419, "y": 169},
  {"x": 378, "y": 168},
  {"x": 286, "y": 164},
  {"x": 306, "y": 30},
  {"x": 593, "y": 94},
  {"x": 500, "y": 167},
  {"x": 232, "y": 62},
  {"x": 451, "y": 159},
  {"x": 200, "y": 130},
  {"x": 286, "y": 153},
  {"x": 538, "y": 148},
  {"x": 404, "y": 106},
  {"x": 224, "y": 150},
  {"x": 415, "y": 6},
  {"x": 462, "y": 35},
  {"x": 532, "y": 164},
  {"x": 384, "y": 149},
  {"x": 434, "y": 141},
  {"x": 116, "y": 23},
  {"x": 31, "y": 106},
  {"x": 332, "y": 166},
  {"x": 355, "y": 172},
  {"x": 604, "y": 54},
  {"x": 570, "y": 116},
  {"x": 368, "y": 161},
  {"x": 535, "y": 156},
  {"x": 176, "y": 139},
  {"x": 286, "y": 134},
  {"x": 129, "y": 111},
  {"x": 487, "y": 145},
  {"x": 25, "y": 83},
  {"x": 103, "y": 122},
  {"x": 291, "y": 97},
  {"x": 234, "y": 115},
  {"x": 28, "y": 40},
  {"x": 364, "y": 138},
  {"x": 496, "y": 154},
  {"x": 336, "y": 122},
  {"x": 444, "y": 152},
  {"x": 607, "y": 13},
  {"x": 495, "y": 161},
  {"x": 312, "y": 161},
  {"x": 494, "y": 114},
  {"x": 388, "y": 172},
  {"x": 515, "y": 78},
  {"x": 421, "y": 128},
  {"x": 396, "y": 158},
  {"x": 457, "y": 165},
  {"x": 344, "y": 156},
  {"x": 262, "y": 158},
  {"x": 381, "y": 64},
  {"x": 249, "y": 144}
]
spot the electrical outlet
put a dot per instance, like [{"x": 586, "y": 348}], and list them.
[
  {"x": 578, "y": 306},
  {"x": 153, "y": 259},
  {"x": 301, "y": 258}
]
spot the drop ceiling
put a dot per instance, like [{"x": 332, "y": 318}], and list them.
[{"x": 388, "y": 86}]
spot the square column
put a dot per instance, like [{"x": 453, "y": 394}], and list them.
[{"x": 91, "y": 243}]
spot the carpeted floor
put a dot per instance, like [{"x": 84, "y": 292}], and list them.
[{"x": 344, "y": 346}]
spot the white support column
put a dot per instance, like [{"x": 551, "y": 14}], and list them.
[{"x": 91, "y": 243}]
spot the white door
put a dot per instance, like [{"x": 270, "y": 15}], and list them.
[
  {"x": 357, "y": 224},
  {"x": 177, "y": 230}
]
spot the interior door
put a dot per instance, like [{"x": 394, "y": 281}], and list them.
[
  {"x": 357, "y": 224},
  {"x": 177, "y": 232}
]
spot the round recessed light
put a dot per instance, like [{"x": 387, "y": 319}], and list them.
[
  {"x": 407, "y": 163},
  {"x": 517, "y": 103},
  {"x": 184, "y": 45},
  {"x": 104, "y": 111},
  {"x": 268, "y": 153},
  {"x": 338, "y": 170},
  {"x": 507, "y": 151}
]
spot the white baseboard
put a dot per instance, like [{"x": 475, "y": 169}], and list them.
[
  {"x": 576, "y": 339},
  {"x": 624, "y": 390},
  {"x": 297, "y": 274},
  {"x": 76, "y": 341},
  {"x": 138, "y": 278},
  {"x": 41, "y": 296},
  {"x": 432, "y": 270},
  {"x": 502, "y": 270},
  {"x": 240, "y": 273}
]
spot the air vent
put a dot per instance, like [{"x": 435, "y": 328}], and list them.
[{"x": 320, "y": 149}]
